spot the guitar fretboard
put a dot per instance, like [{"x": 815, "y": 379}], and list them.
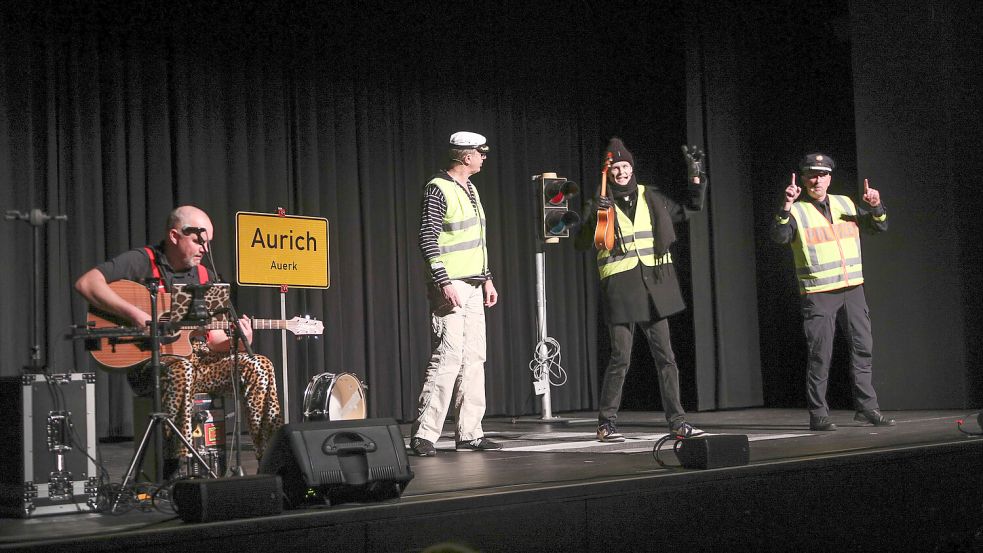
[{"x": 257, "y": 324}]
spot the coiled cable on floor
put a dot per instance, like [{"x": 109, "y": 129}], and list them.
[
  {"x": 656, "y": 449},
  {"x": 546, "y": 362}
]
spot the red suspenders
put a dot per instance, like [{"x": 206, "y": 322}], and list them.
[{"x": 202, "y": 271}]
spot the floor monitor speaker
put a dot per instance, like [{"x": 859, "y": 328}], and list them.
[{"x": 338, "y": 461}]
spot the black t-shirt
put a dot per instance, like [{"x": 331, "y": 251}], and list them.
[{"x": 135, "y": 265}]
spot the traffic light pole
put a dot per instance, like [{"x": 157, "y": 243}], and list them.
[
  {"x": 542, "y": 353},
  {"x": 543, "y": 369},
  {"x": 557, "y": 219}
]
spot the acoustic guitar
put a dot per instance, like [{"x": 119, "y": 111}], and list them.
[
  {"x": 121, "y": 353},
  {"x": 604, "y": 232}
]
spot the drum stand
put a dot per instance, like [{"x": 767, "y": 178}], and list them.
[{"x": 157, "y": 417}]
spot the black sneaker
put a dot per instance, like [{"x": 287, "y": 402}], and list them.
[
  {"x": 821, "y": 424},
  {"x": 685, "y": 430},
  {"x": 422, "y": 448},
  {"x": 872, "y": 416},
  {"x": 606, "y": 432},
  {"x": 480, "y": 444}
]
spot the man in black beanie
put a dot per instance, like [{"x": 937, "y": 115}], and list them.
[{"x": 638, "y": 280}]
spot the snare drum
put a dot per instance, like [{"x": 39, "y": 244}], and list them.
[{"x": 334, "y": 397}]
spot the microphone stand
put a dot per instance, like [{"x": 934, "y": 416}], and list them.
[
  {"x": 237, "y": 335},
  {"x": 158, "y": 417},
  {"x": 36, "y": 218}
]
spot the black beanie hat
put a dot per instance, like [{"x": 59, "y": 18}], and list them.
[{"x": 619, "y": 152}]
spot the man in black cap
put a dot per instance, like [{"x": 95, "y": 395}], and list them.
[
  {"x": 824, "y": 233},
  {"x": 638, "y": 280},
  {"x": 454, "y": 245}
]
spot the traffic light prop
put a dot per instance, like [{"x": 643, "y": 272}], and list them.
[{"x": 557, "y": 217}]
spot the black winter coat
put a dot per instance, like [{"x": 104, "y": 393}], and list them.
[{"x": 644, "y": 293}]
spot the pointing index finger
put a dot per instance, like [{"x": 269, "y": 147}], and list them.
[{"x": 866, "y": 186}]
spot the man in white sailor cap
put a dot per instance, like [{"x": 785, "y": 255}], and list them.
[{"x": 453, "y": 242}]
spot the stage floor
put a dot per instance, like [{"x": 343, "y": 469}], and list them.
[{"x": 540, "y": 456}]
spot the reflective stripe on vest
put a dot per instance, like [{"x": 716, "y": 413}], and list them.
[
  {"x": 463, "y": 249},
  {"x": 638, "y": 245},
  {"x": 827, "y": 255}
]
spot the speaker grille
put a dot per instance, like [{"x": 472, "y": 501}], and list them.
[
  {"x": 387, "y": 472},
  {"x": 331, "y": 477}
]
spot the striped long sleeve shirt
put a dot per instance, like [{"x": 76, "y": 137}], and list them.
[{"x": 432, "y": 213}]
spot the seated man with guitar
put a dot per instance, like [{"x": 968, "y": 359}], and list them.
[{"x": 113, "y": 295}]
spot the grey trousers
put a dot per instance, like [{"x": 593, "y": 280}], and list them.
[
  {"x": 820, "y": 313},
  {"x": 657, "y": 334}
]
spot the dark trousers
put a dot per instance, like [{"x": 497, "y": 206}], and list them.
[
  {"x": 820, "y": 313},
  {"x": 657, "y": 334}
]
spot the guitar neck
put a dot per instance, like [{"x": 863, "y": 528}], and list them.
[
  {"x": 257, "y": 324},
  {"x": 604, "y": 175}
]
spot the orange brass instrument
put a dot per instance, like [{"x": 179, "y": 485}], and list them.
[{"x": 604, "y": 233}]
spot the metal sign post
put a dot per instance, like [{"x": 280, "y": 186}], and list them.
[{"x": 283, "y": 349}]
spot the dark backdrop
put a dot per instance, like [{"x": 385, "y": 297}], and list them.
[
  {"x": 890, "y": 90},
  {"x": 114, "y": 113}
]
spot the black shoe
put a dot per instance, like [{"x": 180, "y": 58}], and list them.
[
  {"x": 422, "y": 448},
  {"x": 480, "y": 444},
  {"x": 821, "y": 424},
  {"x": 873, "y": 416}
]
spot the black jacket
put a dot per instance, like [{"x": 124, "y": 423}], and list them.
[{"x": 624, "y": 294}]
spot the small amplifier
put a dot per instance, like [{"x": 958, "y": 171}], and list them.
[
  {"x": 711, "y": 452},
  {"x": 214, "y": 499}
]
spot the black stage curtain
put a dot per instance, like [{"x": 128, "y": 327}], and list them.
[{"x": 113, "y": 114}]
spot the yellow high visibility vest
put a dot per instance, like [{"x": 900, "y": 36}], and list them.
[
  {"x": 462, "y": 241},
  {"x": 827, "y": 255},
  {"x": 639, "y": 245}
]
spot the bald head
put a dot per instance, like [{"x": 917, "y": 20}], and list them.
[
  {"x": 188, "y": 231},
  {"x": 180, "y": 217}
]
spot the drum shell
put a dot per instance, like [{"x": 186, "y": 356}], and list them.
[{"x": 334, "y": 397}]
